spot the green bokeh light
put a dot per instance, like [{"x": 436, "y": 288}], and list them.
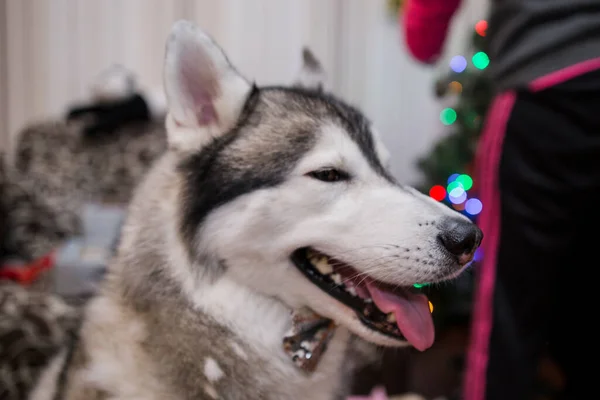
[
  {"x": 465, "y": 181},
  {"x": 448, "y": 116},
  {"x": 480, "y": 60},
  {"x": 453, "y": 185}
]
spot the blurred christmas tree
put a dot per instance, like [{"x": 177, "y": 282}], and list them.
[
  {"x": 448, "y": 168},
  {"x": 467, "y": 87},
  {"x": 394, "y": 7}
]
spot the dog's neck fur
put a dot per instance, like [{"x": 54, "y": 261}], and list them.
[{"x": 209, "y": 339}]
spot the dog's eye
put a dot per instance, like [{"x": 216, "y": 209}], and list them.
[{"x": 329, "y": 175}]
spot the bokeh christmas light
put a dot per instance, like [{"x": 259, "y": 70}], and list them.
[
  {"x": 448, "y": 116},
  {"x": 456, "y": 194},
  {"x": 458, "y": 64}
]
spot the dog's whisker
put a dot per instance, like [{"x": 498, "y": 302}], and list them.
[
  {"x": 348, "y": 254},
  {"x": 364, "y": 275},
  {"x": 355, "y": 249},
  {"x": 336, "y": 262}
]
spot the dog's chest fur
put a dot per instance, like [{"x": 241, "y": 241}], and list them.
[
  {"x": 174, "y": 352},
  {"x": 222, "y": 364}
]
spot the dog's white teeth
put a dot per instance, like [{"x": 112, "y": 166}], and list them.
[
  {"x": 351, "y": 290},
  {"x": 337, "y": 278},
  {"x": 322, "y": 265},
  {"x": 320, "y": 262},
  {"x": 391, "y": 317},
  {"x": 368, "y": 300}
]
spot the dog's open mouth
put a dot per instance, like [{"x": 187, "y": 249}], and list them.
[{"x": 396, "y": 312}]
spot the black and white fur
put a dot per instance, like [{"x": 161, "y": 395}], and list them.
[{"x": 198, "y": 299}]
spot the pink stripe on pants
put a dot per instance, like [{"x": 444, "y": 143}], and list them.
[{"x": 487, "y": 161}]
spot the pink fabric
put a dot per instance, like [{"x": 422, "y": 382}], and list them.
[
  {"x": 425, "y": 24},
  {"x": 564, "y": 75},
  {"x": 487, "y": 161}
]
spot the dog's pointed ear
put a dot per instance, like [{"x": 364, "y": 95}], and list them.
[
  {"x": 205, "y": 94},
  {"x": 311, "y": 74}
]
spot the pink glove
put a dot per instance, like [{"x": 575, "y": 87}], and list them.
[
  {"x": 378, "y": 393},
  {"x": 426, "y": 25}
]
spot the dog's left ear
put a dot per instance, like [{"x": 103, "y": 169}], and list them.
[
  {"x": 205, "y": 94},
  {"x": 311, "y": 74}
]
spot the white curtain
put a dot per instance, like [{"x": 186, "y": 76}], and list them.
[
  {"x": 3, "y": 78},
  {"x": 50, "y": 50}
]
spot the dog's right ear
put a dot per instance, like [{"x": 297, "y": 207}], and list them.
[
  {"x": 205, "y": 94},
  {"x": 311, "y": 73}
]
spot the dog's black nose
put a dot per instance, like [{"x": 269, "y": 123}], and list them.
[{"x": 460, "y": 237}]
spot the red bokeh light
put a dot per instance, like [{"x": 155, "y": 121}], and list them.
[
  {"x": 481, "y": 27},
  {"x": 437, "y": 192}
]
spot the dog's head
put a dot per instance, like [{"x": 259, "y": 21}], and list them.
[{"x": 286, "y": 190}]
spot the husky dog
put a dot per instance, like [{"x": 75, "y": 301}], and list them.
[{"x": 269, "y": 200}]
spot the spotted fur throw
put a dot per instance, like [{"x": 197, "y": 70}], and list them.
[
  {"x": 33, "y": 327},
  {"x": 74, "y": 168},
  {"x": 3, "y": 210},
  {"x": 31, "y": 226},
  {"x": 57, "y": 170}
]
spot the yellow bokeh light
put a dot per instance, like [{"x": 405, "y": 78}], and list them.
[
  {"x": 455, "y": 86},
  {"x": 430, "y": 307}
]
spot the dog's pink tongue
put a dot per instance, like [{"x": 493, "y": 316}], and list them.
[{"x": 412, "y": 314}]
